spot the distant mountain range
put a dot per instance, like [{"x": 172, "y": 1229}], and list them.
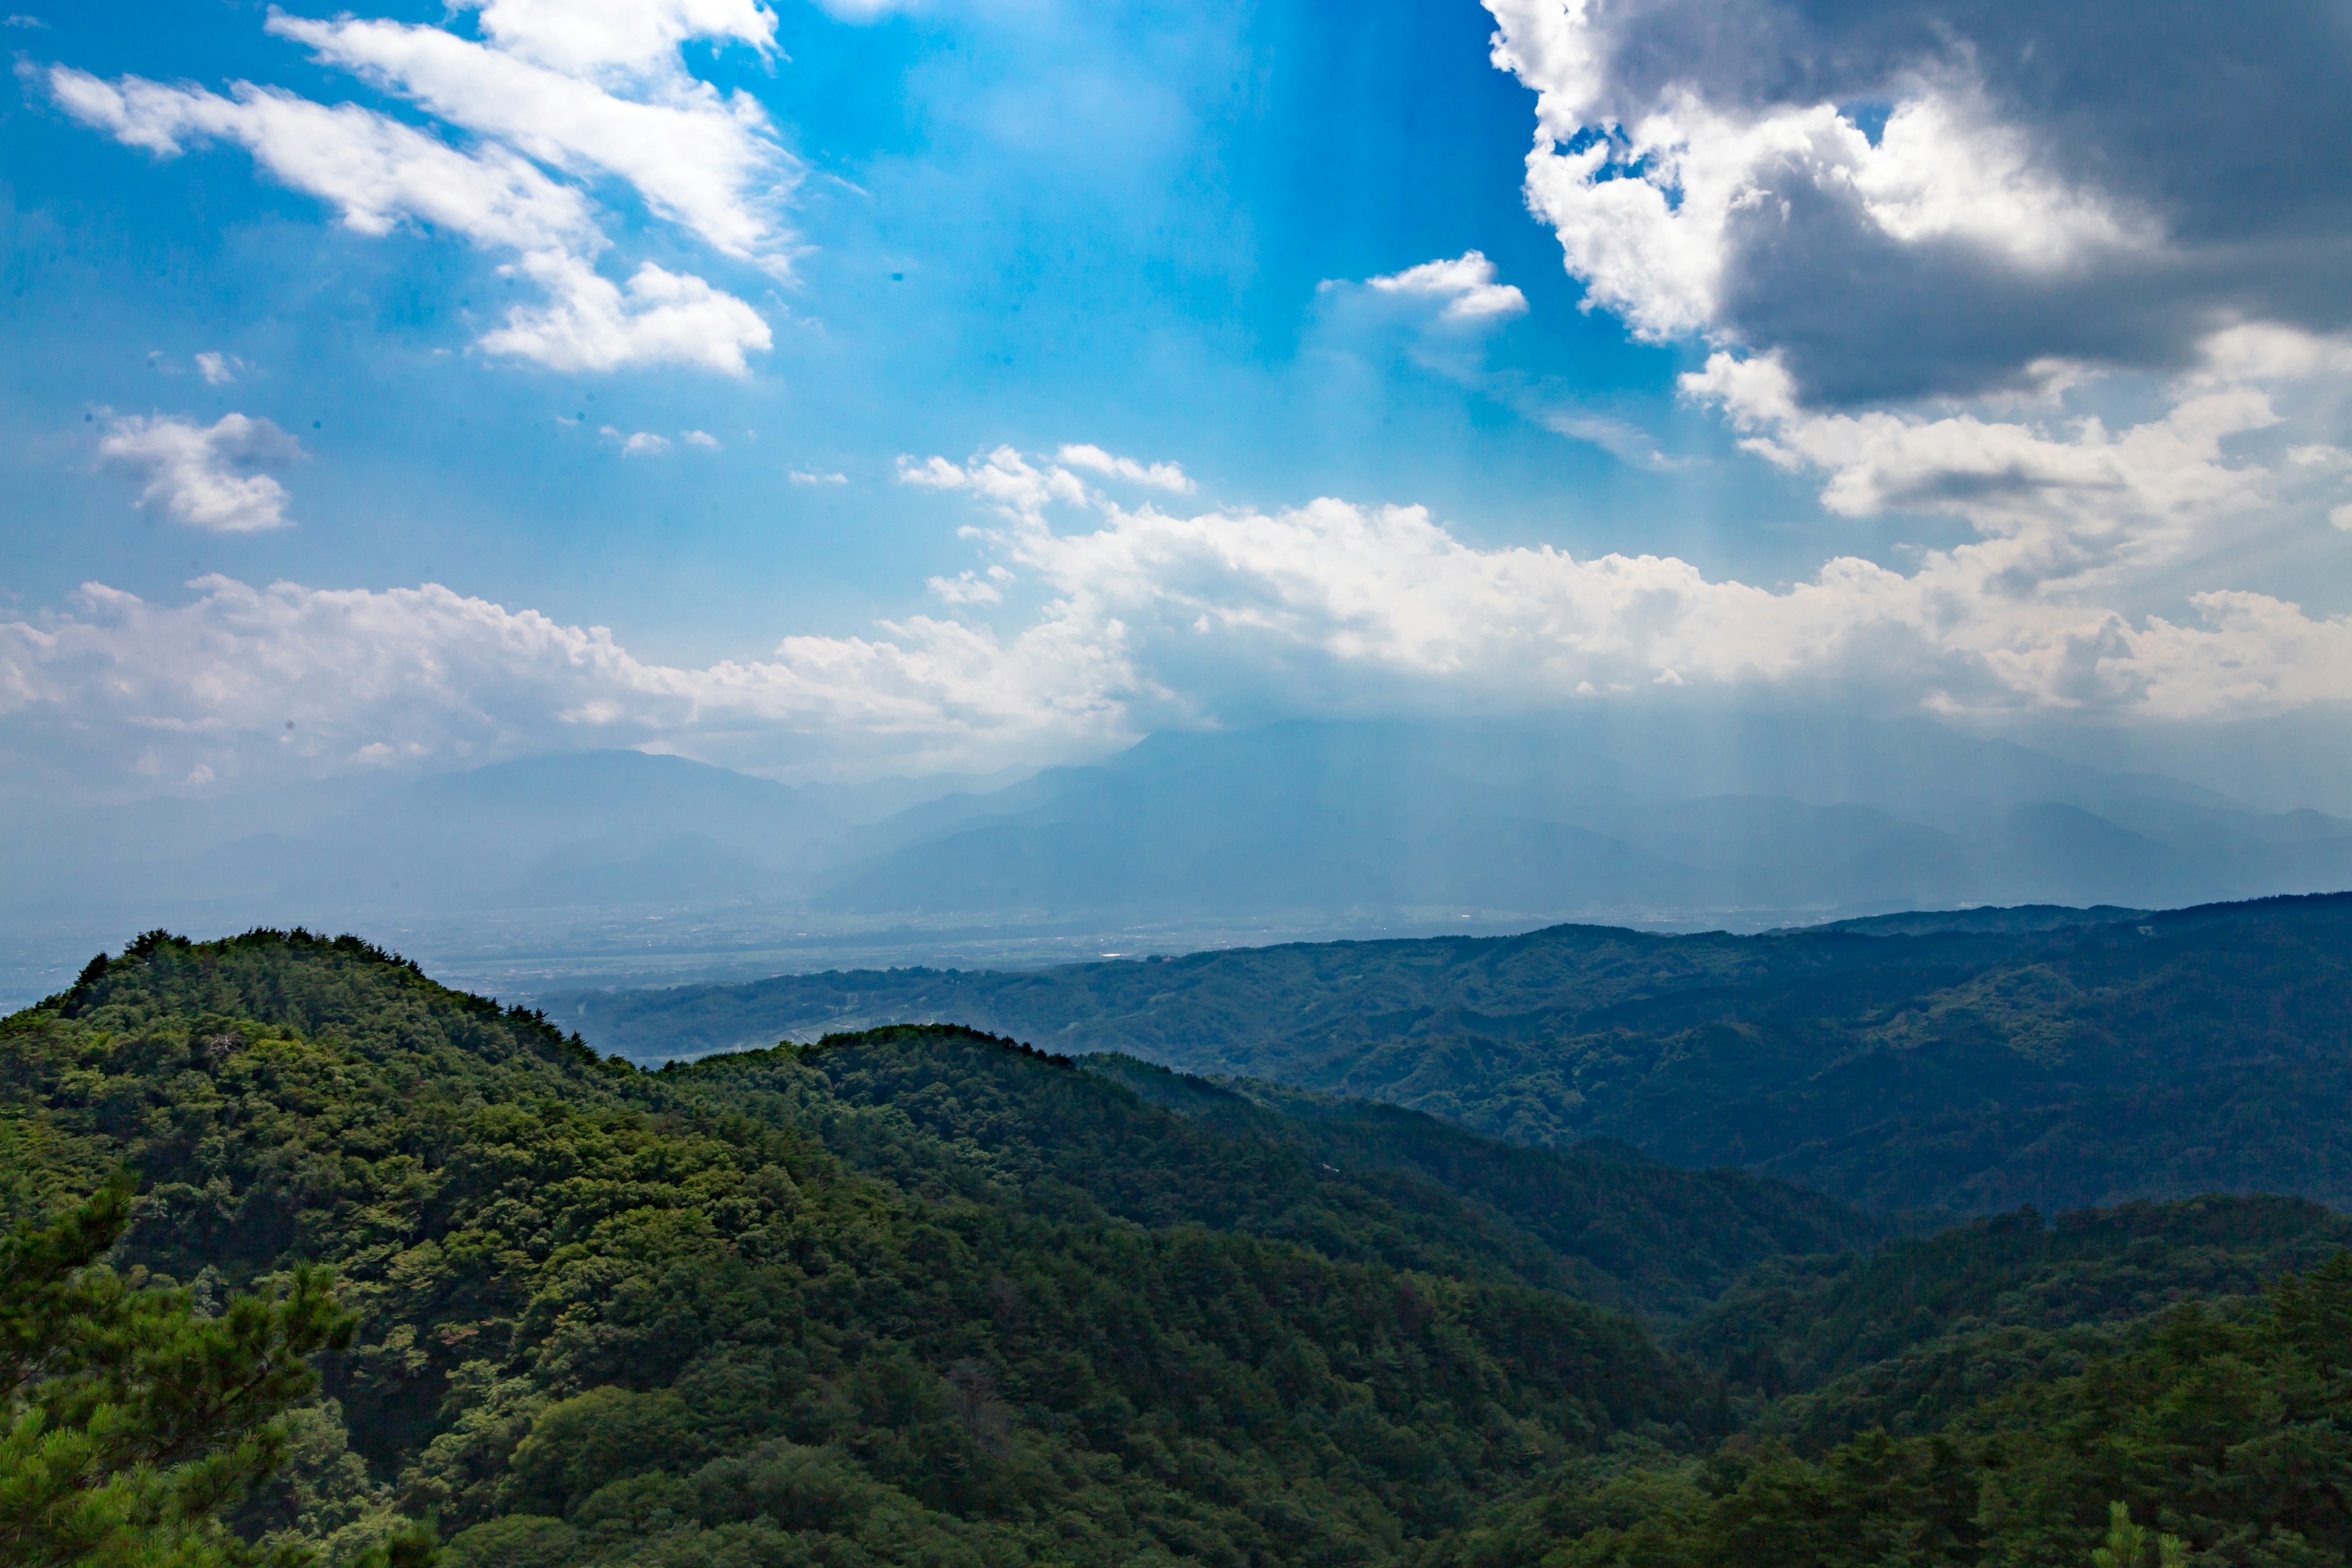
[
  {"x": 1737, "y": 821},
  {"x": 1746, "y": 825},
  {"x": 1969, "y": 1064}
]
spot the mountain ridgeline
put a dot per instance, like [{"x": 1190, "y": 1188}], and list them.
[
  {"x": 926, "y": 1295},
  {"x": 1685, "y": 819},
  {"x": 1968, "y": 1063}
]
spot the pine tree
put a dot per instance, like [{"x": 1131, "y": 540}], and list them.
[
  {"x": 2128, "y": 1544},
  {"x": 130, "y": 1423}
]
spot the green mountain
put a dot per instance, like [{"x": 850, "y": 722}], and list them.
[
  {"x": 1970, "y": 1065},
  {"x": 922, "y": 1296},
  {"x": 855, "y": 1302}
]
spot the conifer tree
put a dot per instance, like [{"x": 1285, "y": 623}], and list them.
[{"x": 130, "y": 1423}]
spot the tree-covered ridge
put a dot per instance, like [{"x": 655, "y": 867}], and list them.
[
  {"x": 2225, "y": 1426},
  {"x": 1969, "y": 1071},
  {"x": 611, "y": 1317},
  {"x": 946, "y": 1110},
  {"x": 1666, "y": 1238}
]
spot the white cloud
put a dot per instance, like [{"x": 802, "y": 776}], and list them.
[
  {"x": 581, "y": 88},
  {"x": 1905, "y": 200},
  {"x": 218, "y": 369},
  {"x": 1464, "y": 287},
  {"x": 2080, "y": 498},
  {"x": 638, "y": 443},
  {"x": 130, "y": 690},
  {"x": 971, "y": 587},
  {"x": 1166, "y": 477},
  {"x": 661, "y": 317},
  {"x": 1920, "y": 257},
  {"x": 2342, "y": 517},
  {"x": 702, "y": 438},
  {"x": 1387, "y": 597},
  {"x": 803, "y": 476},
  {"x": 625, "y": 38},
  {"x": 1142, "y": 620},
  {"x": 1004, "y": 477},
  {"x": 377, "y": 172},
  {"x": 208, "y": 476},
  {"x": 937, "y": 474},
  {"x": 1619, "y": 438},
  {"x": 1649, "y": 211},
  {"x": 710, "y": 164}
]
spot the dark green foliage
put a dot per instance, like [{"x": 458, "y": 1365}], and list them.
[
  {"x": 1661, "y": 1238},
  {"x": 1797, "y": 1325},
  {"x": 1966, "y": 1070},
  {"x": 133, "y": 1422},
  {"x": 924, "y": 1296},
  {"x": 2037, "y": 1379},
  {"x": 859, "y": 1306}
]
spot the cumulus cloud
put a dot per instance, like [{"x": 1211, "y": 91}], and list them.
[
  {"x": 1141, "y": 619},
  {"x": 2080, "y": 498},
  {"x": 581, "y": 89},
  {"x": 1004, "y": 477},
  {"x": 1464, "y": 288},
  {"x": 218, "y": 369},
  {"x": 1166, "y": 477},
  {"x": 209, "y": 477},
  {"x": 636, "y": 443},
  {"x": 1910, "y": 199},
  {"x": 702, "y": 438},
  {"x": 1944, "y": 259},
  {"x": 659, "y": 317}
]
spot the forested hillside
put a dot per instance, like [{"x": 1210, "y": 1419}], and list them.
[
  {"x": 1971, "y": 1068},
  {"x": 1971, "y": 1398},
  {"x": 833, "y": 1307},
  {"x": 922, "y": 1296}
]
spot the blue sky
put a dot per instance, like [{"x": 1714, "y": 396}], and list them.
[{"x": 1813, "y": 350}]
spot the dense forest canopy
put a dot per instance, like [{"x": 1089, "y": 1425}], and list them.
[
  {"x": 1965, "y": 1063},
  {"x": 923, "y": 1295}
]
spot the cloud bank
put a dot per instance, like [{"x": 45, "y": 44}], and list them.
[{"x": 1091, "y": 624}]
